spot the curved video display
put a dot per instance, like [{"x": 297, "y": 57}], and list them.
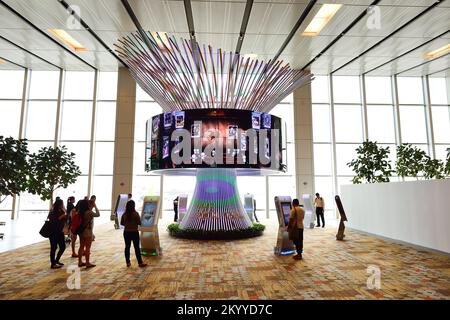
[{"x": 221, "y": 138}]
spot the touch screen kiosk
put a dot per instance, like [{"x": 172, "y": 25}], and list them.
[
  {"x": 182, "y": 206},
  {"x": 119, "y": 210},
  {"x": 340, "y": 235},
  {"x": 149, "y": 226},
  {"x": 310, "y": 217},
  {"x": 249, "y": 206},
  {"x": 284, "y": 245}
]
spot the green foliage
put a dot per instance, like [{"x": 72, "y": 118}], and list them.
[
  {"x": 372, "y": 164},
  {"x": 14, "y": 167},
  {"x": 433, "y": 169},
  {"x": 255, "y": 230},
  {"x": 52, "y": 168},
  {"x": 410, "y": 160}
]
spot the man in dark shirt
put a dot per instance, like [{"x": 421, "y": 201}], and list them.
[{"x": 175, "y": 209}]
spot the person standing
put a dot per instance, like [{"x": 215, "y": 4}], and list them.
[
  {"x": 254, "y": 210},
  {"x": 93, "y": 202},
  {"x": 131, "y": 221},
  {"x": 319, "y": 203},
  {"x": 175, "y": 208},
  {"x": 86, "y": 233},
  {"x": 296, "y": 227},
  {"x": 70, "y": 207},
  {"x": 130, "y": 197},
  {"x": 57, "y": 218}
]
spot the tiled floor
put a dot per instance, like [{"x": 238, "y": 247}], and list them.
[{"x": 244, "y": 269}]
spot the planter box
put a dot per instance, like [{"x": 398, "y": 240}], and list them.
[{"x": 416, "y": 212}]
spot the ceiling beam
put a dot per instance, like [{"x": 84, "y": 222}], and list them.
[
  {"x": 448, "y": 68},
  {"x": 245, "y": 18},
  {"x": 191, "y": 27},
  {"x": 421, "y": 64},
  {"x": 407, "y": 52},
  {"x": 89, "y": 29},
  {"x": 342, "y": 34},
  {"x": 12, "y": 62},
  {"x": 295, "y": 28},
  {"x": 44, "y": 34},
  {"x": 29, "y": 52},
  {"x": 436, "y": 3}
]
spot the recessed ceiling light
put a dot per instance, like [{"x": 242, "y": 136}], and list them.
[
  {"x": 67, "y": 39},
  {"x": 251, "y": 56},
  {"x": 325, "y": 14},
  {"x": 438, "y": 52}
]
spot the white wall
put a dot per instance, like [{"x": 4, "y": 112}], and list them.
[{"x": 417, "y": 212}]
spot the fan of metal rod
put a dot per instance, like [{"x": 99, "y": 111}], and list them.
[{"x": 185, "y": 75}]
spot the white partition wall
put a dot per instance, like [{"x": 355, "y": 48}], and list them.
[{"x": 417, "y": 212}]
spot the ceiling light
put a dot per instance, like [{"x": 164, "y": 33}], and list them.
[
  {"x": 325, "y": 14},
  {"x": 438, "y": 52},
  {"x": 161, "y": 41},
  {"x": 251, "y": 56},
  {"x": 67, "y": 39}
]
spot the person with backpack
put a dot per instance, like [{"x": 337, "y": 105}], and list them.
[
  {"x": 85, "y": 232},
  {"x": 57, "y": 218},
  {"x": 295, "y": 227},
  {"x": 131, "y": 221}
]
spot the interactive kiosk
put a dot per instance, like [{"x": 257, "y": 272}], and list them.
[
  {"x": 249, "y": 206},
  {"x": 119, "y": 210},
  {"x": 182, "y": 206},
  {"x": 149, "y": 226},
  {"x": 310, "y": 217},
  {"x": 284, "y": 245},
  {"x": 340, "y": 235}
]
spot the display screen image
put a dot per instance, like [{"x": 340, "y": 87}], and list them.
[
  {"x": 179, "y": 119},
  {"x": 266, "y": 120},
  {"x": 148, "y": 214},
  {"x": 256, "y": 120},
  {"x": 167, "y": 120},
  {"x": 121, "y": 203},
  {"x": 286, "y": 207},
  {"x": 155, "y": 127},
  {"x": 165, "y": 147}
]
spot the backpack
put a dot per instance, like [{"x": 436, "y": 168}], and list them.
[{"x": 77, "y": 222}]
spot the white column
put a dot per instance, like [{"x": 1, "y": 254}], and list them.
[
  {"x": 124, "y": 136},
  {"x": 428, "y": 117},
  {"x": 92, "y": 141},
  {"x": 303, "y": 132}
]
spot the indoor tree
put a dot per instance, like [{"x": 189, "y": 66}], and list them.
[
  {"x": 52, "y": 168},
  {"x": 14, "y": 167},
  {"x": 410, "y": 160},
  {"x": 447, "y": 165},
  {"x": 372, "y": 164},
  {"x": 433, "y": 168}
]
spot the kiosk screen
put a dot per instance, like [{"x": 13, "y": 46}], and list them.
[
  {"x": 148, "y": 214},
  {"x": 286, "y": 212}
]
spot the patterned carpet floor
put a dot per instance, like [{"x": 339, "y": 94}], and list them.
[{"x": 243, "y": 269}]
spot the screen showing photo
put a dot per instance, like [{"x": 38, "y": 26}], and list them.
[
  {"x": 286, "y": 207},
  {"x": 179, "y": 119},
  {"x": 165, "y": 147},
  {"x": 167, "y": 120},
  {"x": 232, "y": 131},
  {"x": 155, "y": 127},
  {"x": 195, "y": 130},
  {"x": 148, "y": 214},
  {"x": 256, "y": 120},
  {"x": 266, "y": 120}
]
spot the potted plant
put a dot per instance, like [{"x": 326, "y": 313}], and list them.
[
  {"x": 447, "y": 165},
  {"x": 372, "y": 164},
  {"x": 410, "y": 160},
  {"x": 52, "y": 168},
  {"x": 433, "y": 169},
  {"x": 14, "y": 167}
]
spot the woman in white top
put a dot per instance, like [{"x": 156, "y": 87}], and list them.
[{"x": 296, "y": 227}]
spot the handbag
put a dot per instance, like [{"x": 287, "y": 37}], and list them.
[
  {"x": 292, "y": 228},
  {"x": 47, "y": 229}
]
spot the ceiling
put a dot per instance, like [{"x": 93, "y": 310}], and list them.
[{"x": 397, "y": 47}]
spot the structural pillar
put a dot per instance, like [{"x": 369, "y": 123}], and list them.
[
  {"x": 124, "y": 136},
  {"x": 303, "y": 133}
]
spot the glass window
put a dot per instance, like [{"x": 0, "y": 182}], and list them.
[
  {"x": 344, "y": 154},
  {"x": 322, "y": 159},
  {"x": 343, "y": 181},
  {"x": 412, "y": 123},
  {"x": 41, "y": 120},
  {"x": 11, "y": 84},
  {"x": 410, "y": 90},
  {"x": 81, "y": 150},
  {"x": 441, "y": 124},
  {"x": 107, "y": 86},
  {"x": 441, "y": 151},
  {"x": 278, "y": 186},
  {"x": 34, "y": 147},
  {"x": 79, "y": 190},
  {"x": 10, "y": 118},
  {"x": 104, "y": 158},
  {"x": 255, "y": 186},
  {"x": 286, "y": 112},
  {"x": 105, "y": 121},
  {"x": 102, "y": 189},
  {"x": 33, "y": 202},
  {"x": 76, "y": 120},
  {"x": 173, "y": 187},
  {"x": 79, "y": 85},
  {"x": 6, "y": 204},
  {"x": 321, "y": 123},
  {"x": 319, "y": 90},
  {"x": 381, "y": 123},
  {"x": 348, "y": 123},
  {"x": 378, "y": 90},
  {"x": 346, "y": 89},
  {"x": 144, "y": 111},
  {"x": 44, "y": 85},
  {"x": 139, "y": 158},
  {"x": 144, "y": 186},
  {"x": 438, "y": 91},
  {"x": 324, "y": 186}
]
